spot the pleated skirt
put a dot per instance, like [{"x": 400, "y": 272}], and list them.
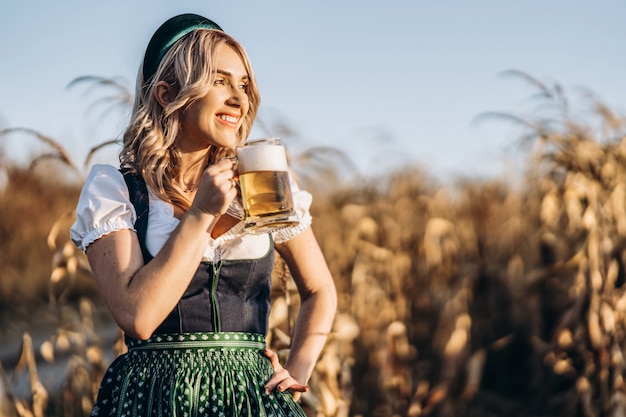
[{"x": 193, "y": 374}]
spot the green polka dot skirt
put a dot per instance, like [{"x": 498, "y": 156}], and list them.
[{"x": 193, "y": 374}]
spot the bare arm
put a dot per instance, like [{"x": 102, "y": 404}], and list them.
[
  {"x": 318, "y": 302},
  {"x": 141, "y": 296}
]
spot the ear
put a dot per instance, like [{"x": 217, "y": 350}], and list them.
[{"x": 164, "y": 93}]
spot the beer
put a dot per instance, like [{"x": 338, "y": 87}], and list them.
[
  {"x": 267, "y": 193},
  {"x": 265, "y": 187}
]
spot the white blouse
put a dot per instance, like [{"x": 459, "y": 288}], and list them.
[{"x": 104, "y": 206}]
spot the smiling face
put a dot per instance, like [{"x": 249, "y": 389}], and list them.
[{"x": 215, "y": 118}]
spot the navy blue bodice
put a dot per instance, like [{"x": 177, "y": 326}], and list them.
[{"x": 226, "y": 296}]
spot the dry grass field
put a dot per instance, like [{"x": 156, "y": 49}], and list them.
[{"x": 480, "y": 298}]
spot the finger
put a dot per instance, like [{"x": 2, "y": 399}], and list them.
[
  {"x": 285, "y": 384},
  {"x": 224, "y": 167},
  {"x": 296, "y": 388},
  {"x": 231, "y": 158},
  {"x": 280, "y": 374},
  {"x": 292, "y": 386},
  {"x": 282, "y": 381},
  {"x": 273, "y": 357},
  {"x": 227, "y": 177},
  {"x": 224, "y": 180},
  {"x": 228, "y": 163}
]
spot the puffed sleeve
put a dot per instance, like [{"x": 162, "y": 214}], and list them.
[
  {"x": 302, "y": 203},
  {"x": 103, "y": 206}
]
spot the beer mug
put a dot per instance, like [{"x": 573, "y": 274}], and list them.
[{"x": 265, "y": 188}]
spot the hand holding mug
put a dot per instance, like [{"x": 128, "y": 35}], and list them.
[{"x": 217, "y": 188}]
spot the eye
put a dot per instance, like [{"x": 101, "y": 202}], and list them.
[
  {"x": 219, "y": 81},
  {"x": 244, "y": 86}
]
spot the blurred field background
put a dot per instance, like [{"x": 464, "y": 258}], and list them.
[{"x": 467, "y": 298}]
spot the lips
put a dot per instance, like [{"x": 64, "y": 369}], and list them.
[{"x": 228, "y": 119}]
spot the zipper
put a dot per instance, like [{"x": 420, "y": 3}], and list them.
[{"x": 217, "y": 324}]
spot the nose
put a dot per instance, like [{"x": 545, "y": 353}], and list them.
[{"x": 238, "y": 97}]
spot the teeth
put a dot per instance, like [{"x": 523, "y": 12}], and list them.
[{"x": 231, "y": 119}]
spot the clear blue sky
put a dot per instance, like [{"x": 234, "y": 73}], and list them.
[{"x": 388, "y": 82}]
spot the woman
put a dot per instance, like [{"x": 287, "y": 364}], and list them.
[{"x": 192, "y": 295}]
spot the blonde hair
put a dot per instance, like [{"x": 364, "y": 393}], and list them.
[{"x": 149, "y": 142}]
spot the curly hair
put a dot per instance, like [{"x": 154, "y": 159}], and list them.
[{"x": 149, "y": 142}]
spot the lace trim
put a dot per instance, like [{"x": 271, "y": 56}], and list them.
[
  {"x": 283, "y": 235},
  {"x": 105, "y": 229}
]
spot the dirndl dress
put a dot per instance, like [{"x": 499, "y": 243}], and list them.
[{"x": 206, "y": 358}]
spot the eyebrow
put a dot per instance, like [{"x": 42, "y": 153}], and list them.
[{"x": 230, "y": 74}]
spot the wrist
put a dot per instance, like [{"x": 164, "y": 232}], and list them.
[
  {"x": 198, "y": 212},
  {"x": 207, "y": 220},
  {"x": 299, "y": 373}
]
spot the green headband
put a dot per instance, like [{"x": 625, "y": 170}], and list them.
[{"x": 167, "y": 34}]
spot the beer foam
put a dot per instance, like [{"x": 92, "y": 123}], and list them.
[{"x": 261, "y": 158}]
